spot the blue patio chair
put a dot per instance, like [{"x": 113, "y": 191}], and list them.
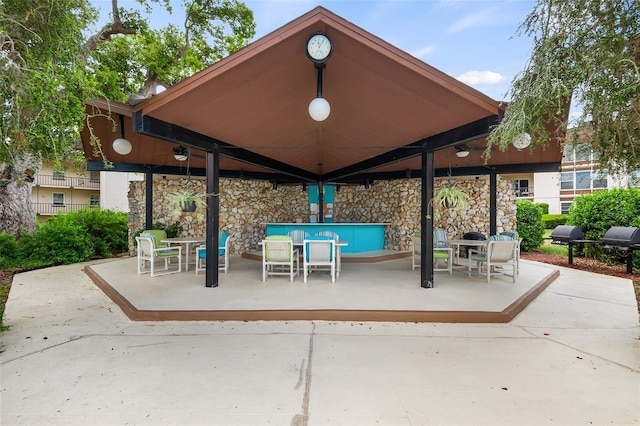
[{"x": 223, "y": 253}]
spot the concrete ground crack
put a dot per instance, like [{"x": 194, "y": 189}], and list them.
[{"x": 302, "y": 419}]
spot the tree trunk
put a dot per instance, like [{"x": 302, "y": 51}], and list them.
[{"x": 16, "y": 210}]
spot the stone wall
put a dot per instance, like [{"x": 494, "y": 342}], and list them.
[{"x": 245, "y": 205}]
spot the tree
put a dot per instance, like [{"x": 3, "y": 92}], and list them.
[
  {"x": 50, "y": 68},
  {"x": 588, "y": 51}
]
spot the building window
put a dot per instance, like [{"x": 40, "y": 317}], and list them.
[
  {"x": 58, "y": 199},
  {"x": 575, "y": 153},
  {"x": 94, "y": 176},
  {"x": 94, "y": 200},
  {"x": 564, "y": 207},
  {"x": 633, "y": 178},
  {"x": 583, "y": 180},
  {"x": 566, "y": 180},
  {"x": 599, "y": 179},
  {"x": 58, "y": 173}
]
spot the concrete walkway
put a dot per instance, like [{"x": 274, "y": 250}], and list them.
[{"x": 71, "y": 357}]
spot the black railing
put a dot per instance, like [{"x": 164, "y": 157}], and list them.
[
  {"x": 524, "y": 191},
  {"x": 52, "y": 209},
  {"x": 66, "y": 181}
]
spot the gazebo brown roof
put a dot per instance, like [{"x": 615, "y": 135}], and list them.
[{"x": 385, "y": 106}]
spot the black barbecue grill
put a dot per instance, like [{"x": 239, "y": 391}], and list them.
[
  {"x": 623, "y": 240},
  {"x": 570, "y": 235},
  {"x": 564, "y": 234}
]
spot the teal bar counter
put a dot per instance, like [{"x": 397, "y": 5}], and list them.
[{"x": 360, "y": 236}]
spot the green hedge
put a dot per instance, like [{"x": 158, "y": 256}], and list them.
[
  {"x": 65, "y": 239},
  {"x": 550, "y": 221},
  {"x": 529, "y": 219},
  {"x": 596, "y": 213}
]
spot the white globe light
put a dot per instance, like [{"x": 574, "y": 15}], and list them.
[
  {"x": 523, "y": 141},
  {"x": 122, "y": 146},
  {"x": 319, "y": 109}
]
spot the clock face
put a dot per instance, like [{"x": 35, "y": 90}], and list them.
[
  {"x": 522, "y": 141},
  {"x": 319, "y": 48}
]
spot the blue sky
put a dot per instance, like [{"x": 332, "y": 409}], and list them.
[{"x": 472, "y": 40}]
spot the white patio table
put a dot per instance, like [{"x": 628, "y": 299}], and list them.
[
  {"x": 187, "y": 242},
  {"x": 455, "y": 244}
]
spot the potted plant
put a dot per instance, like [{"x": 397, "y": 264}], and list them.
[
  {"x": 449, "y": 197},
  {"x": 185, "y": 200}
]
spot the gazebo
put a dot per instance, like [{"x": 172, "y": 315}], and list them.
[{"x": 392, "y": 116}]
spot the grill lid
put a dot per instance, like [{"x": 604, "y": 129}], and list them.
[
  {"x": 566, "y": 234},
  {"x": 621, "y": 236}
]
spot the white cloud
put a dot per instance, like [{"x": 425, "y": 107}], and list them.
[
  {"x": 480, "y": 77},
  {"x": 423, "y": 52},
  {"x": 469, "y": 21}
]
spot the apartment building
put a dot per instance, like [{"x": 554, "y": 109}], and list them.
[
  {"x": 62, "y": 190},
  {"x": 580, "y": 174}
]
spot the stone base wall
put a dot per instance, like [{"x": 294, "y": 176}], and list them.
[{"x": 245, "y": 205}]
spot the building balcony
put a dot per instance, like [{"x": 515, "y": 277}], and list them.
[
  {"x": 524, "y": 192},
  {"x": 66, "y": 182},
  {"x": 49, "y": 209}
]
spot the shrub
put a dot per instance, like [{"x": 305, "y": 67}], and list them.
[
  {"x": 544, "y": 207},
  {"x": 550, "y": 221},
  {"x": 57, "y": 242},
  {"x": 8, "y": 249},
  {"x": 596, "y": 213},
  {"x": 529, "y": 225}
]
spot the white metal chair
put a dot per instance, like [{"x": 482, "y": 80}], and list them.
[
  {"x": 319, "y": 253},
  {"x": 298, "y": 235},
  {"x": 147, "y": 252},
  {"x": 336, "y": 238},
  {"x": 223, "y": 254},
  {"x": 497, "y": 256},
  {"x": 279, "y": 257},
  {"x": 439, "y": 254}
]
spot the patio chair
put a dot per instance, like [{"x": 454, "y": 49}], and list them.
[
  {"x": 439, "y": 254},
  {"x": 336, "y": 238},
  {"x": 279, "y": 257},
  {"x": 160, "y": 235},
  {"x": 298, "y": 235},
  {"x": 514, "y": 235},
  {"x": 223, "y": 253},
  {"x": 149, "y": 252},
  {"x": 319, "y": 253},
  {"x": 493, "y": 261}
]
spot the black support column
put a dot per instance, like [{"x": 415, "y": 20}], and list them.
[
  {"x": 148, "y": 204},
  {"x": 213, "y": 216},
  {"x": 493, "y": 202},
  {"x": 426, "y": 219}
]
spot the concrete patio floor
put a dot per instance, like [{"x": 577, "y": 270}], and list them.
[
  {"x": 71, "y": 357},
  {"x": 381, "y": 291}
]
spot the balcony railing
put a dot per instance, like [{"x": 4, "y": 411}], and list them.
[
  {"x": 53, "y": 209},
  {"x": 524, "y": 191},
  {"x": 66, "y": 182}
]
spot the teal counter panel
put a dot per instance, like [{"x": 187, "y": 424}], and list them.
[{"x": 360, "y": 236}]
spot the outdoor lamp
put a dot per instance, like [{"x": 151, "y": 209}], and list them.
[
  {"x": 319, "y": 109},
  {"x": 462, "y": 154},
  {"x": 121, "y": 145}
]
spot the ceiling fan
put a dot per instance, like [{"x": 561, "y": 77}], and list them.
[
  {"x": 182, "y": 153},
  {"x": 464, "y": 149}
]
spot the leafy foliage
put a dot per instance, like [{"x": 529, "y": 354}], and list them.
[
  {"x": 550, "y": 221},
  {"x": 588, "y": 50},
  {"x": 530, "y": 229},
  {"x": 596, "y": 213},
  {"x": 65, "y": 239}
]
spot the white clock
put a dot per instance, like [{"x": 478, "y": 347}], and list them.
[
  {"x": 319, "y": 48},
  {"x": 522, "y": 141}
]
